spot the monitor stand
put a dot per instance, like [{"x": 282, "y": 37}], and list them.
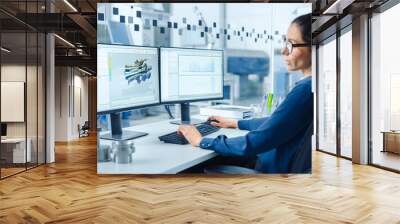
[
  {"x": 116, "y": 130},
  {"x": 185, "y": 116}
]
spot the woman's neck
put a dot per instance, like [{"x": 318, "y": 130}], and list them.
[{"x": 307, "y": 72}]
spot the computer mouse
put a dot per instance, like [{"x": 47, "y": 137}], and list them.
[{"x": 210, "y": 121}]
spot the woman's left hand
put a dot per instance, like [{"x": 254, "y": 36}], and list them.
[{"x": 191, "y": 134}]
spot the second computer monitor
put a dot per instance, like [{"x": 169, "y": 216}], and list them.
[{"x": 191, "y": 74}]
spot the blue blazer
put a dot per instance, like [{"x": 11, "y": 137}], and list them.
[{"x": 281, "y": 143}]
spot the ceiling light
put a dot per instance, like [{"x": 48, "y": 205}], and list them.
[
  {"x": 5, "y": 50},
  {"x": 65, "y": 41},
  {"x": 338, "y": 6},
  {"x": 70, "y": 5},
  {"x": 86, "y": 72}
]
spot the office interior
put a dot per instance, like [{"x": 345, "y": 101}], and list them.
[{"x": 49, "y": 75}]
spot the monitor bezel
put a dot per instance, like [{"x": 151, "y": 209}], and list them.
[
  {"x": 198, "y": 99},
  {"x": 139, "y": 106}
]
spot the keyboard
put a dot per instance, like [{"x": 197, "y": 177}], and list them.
[{"x": 175, "y": 138}]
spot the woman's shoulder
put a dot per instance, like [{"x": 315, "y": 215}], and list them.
[
  {"x": 305, "y": 81},
  {"x": 304, "y": 84}
]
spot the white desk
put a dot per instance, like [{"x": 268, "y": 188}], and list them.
[
  {"x": 19, "y": 151},
  {"x": 155, "y": 157}
]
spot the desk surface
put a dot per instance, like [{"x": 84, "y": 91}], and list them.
[
  {"x": 13, "y": 140},
  {"x": 155, "y": 157}
]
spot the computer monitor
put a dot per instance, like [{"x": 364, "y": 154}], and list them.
[
  {"x": 127, "y": 78},
  {"x": 3, "y": 130},
  {"x": 189, "y": 75}
]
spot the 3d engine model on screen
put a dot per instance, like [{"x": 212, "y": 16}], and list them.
[{"x": 139, "y": 71}]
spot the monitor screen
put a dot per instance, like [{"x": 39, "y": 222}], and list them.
[
  {"x": 191, "y": 74},
  {"x": 127, "y": 77}
]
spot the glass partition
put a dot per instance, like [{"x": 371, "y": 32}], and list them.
[
  {"x": 22, "y": 90},
  {"x": 13, "y": 105}
]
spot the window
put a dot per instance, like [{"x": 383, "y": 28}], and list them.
[
  {"x": 346, "y": 93},
  {"x": 385, "y": 89},
  {"x": 327, "y": 96}
]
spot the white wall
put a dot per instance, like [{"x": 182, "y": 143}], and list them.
[
  {"x": 61, "y": 103},
  {"x": 71, "y": 94},
  {"x": 14, "y": 73}
]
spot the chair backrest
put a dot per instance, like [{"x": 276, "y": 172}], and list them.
[
  {"x": 301, "y": 162},
  {"x": 86, "y": 124}
]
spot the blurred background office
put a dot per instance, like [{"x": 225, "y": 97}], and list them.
[{"x": 251, "y": 36}]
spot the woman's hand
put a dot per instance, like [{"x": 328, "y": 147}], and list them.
[
  {"x": 223, "y": 122},
  {"x": 191, "y": 134}
]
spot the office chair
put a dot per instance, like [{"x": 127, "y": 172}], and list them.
[
  {"x": 301, "y": 160},
  {"x": 84, "y": 130}
]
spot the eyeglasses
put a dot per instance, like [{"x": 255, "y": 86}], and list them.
[{"x": 290, "y": 46}]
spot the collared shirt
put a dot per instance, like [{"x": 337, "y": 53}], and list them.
[{"x": 278, "y": 141}]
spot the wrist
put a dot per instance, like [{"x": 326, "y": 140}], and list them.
[
  {"x": 197, "y": 142},
  {"x": 234, "y": 124}
]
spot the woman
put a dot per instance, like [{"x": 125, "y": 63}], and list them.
[{"x": 281, "y": 143}]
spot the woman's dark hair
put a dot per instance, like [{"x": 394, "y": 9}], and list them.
[{"x": 304, "y": 23}]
